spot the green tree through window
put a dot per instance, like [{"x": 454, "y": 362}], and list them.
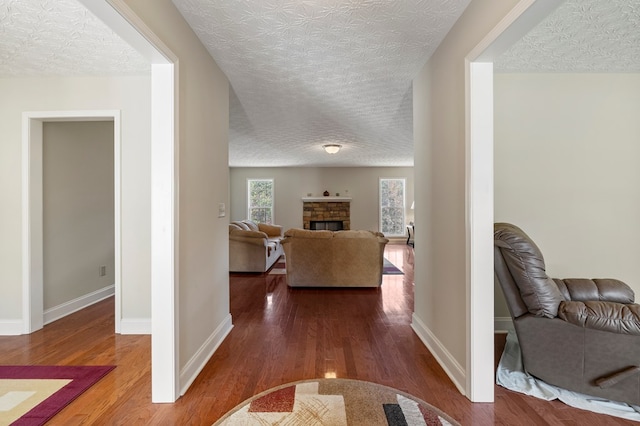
[
  {"x": 260, "y": 203},
  {"x": 392, "y": 207}
]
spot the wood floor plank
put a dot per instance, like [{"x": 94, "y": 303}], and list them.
[{"x": 280, "y": 335}]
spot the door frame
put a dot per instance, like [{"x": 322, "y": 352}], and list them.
[
  {"x": 480, "y": 381},
  {"x": 32, "y": 209}
]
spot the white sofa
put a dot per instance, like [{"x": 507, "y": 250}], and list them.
[{"x": 253, "y": 247}]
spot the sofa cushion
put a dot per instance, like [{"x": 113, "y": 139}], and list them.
[
  {"x": 270, "y": 230},
  {"x": 356, "y": 234},
  {"x": 233, "y": 227},
  {"x": 305, "y": 233},
  {"x": 251, "y": 225},
  {"x": 248, "y": 234},
  {"x": 242, "y": 225}
]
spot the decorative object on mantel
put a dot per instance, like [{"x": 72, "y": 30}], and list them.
[
  {"x": 325, "y": 193},
  {"x": 337, "y": 194}
]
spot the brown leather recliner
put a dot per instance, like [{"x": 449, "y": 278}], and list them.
[{"x": 579, "y": 334}]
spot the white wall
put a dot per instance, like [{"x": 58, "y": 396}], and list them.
[
  {"x": 132, "y": 96},
  {"x": 439, "y": 143},
  {"x": 78, "y": 215},
  {"x": 203, "y": 183},
  {"x": 567, "y": 148},
  {"x": 293, "y": 183}
]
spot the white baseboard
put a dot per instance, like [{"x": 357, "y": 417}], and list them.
[
  {"x": 198, "y": 361},
  {"x": 448, "y": 363},
  {"x": 503, "y": 324},
  {"x": 11, "y": 327},
  {"x": 135, "y": 326},
  {"x": 67, "y": 308}
]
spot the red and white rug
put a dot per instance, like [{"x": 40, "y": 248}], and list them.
[
  {"x": 335, "y": 402},
  {"x": 30, "y": 395}
]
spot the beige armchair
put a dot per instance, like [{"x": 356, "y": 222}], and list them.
[{"x": 253, "y": 247}]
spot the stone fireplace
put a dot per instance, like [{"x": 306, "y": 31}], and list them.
[{"x": 324, "y": 212}]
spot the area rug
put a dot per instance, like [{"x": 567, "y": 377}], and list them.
[
  {"x": 279, "y": 268},
  {"x": 389, "y": 268},
  {"x": 334, "y": 402},
  {"x": 31, "y": 395}
]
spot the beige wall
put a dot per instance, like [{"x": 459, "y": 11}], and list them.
[
  {"x": 566, "y": 170},
  {"x": 293, "y": 183},
  {"x": 130, "y": 95},
  {"x": 78, "y": 218},
  {"x": 439, "y": 144},
  {"x": 203, "y": 176}
]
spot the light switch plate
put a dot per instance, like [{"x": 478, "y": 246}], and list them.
[{"x": 222, "y": 210}]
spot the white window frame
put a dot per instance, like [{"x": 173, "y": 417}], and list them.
[
  {"x": 404, "y": 208},
  {"x": 273, "y": 196}
]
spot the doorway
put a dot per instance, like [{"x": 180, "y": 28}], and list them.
[{"x": 32, "y": 215}]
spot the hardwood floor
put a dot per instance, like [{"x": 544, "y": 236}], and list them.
[{"x": 280, "y": 335}]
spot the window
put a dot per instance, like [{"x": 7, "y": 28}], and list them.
[
  {"x": 260, "y": 202},
  {"x": 392, "y": 207}
]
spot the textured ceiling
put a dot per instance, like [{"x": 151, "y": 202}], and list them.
[
  {"x": 60, "y": 37},
  {"x": 309, "y": 72},
  {"x": 580, "y": 36}
]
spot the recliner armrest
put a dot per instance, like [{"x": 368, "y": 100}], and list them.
[
  {"x": 602, "y": 289},
  {"x": 606, "y": 316}
]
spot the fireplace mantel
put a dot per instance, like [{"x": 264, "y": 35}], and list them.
[{"x": 328, "y": 199}]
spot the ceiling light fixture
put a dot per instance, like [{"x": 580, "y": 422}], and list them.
[{"x": 332, "y": 148}]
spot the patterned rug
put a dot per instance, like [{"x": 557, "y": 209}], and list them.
[
  {"x": 334, "y": 402},
  {"x": 388, "y": 268},
  {"x": 31, "y": 395},
  {"x": 279, "y": 268}
]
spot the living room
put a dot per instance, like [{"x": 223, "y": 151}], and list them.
[
  {"x": 291, "y": 184},
  {"x": 440, "y": 199}
]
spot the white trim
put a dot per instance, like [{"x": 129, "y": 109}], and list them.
[
  {"x": 195, "y": 365},
  {"x": 164, "y": 190},
  {"x": 404, "y": 203},
  {"x": 135, "y": 326},
  {"x": 164, "y": 237},
  {"x": 479, "y": 188},
  {"x": 32, "y": 232},
  {"x": 11, "y": 327},
  {"x": 67, "y": 308},
  {"x": 503, "y": 324},
  {"x": 479, "y": 243},
  {"x": 32, "y": 261},
  {"x": 273, "y": 196},
  {"x": 447, "y": 361}
]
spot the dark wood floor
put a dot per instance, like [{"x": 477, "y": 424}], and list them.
[{"x": 280, "y": 335}]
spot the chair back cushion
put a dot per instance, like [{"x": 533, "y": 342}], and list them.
[{"x": 526, "y": 265}]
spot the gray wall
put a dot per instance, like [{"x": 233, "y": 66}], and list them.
[
  {"x": 440, "y": 165},
  {"x": 132, "y": 97},
  {"x": 293, "y": 183},
  {"x": 566, "y": 153},
  {"x": 78, "y": 215}
]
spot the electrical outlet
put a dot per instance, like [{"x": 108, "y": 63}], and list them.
[{"x": 102, "y": 270}]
